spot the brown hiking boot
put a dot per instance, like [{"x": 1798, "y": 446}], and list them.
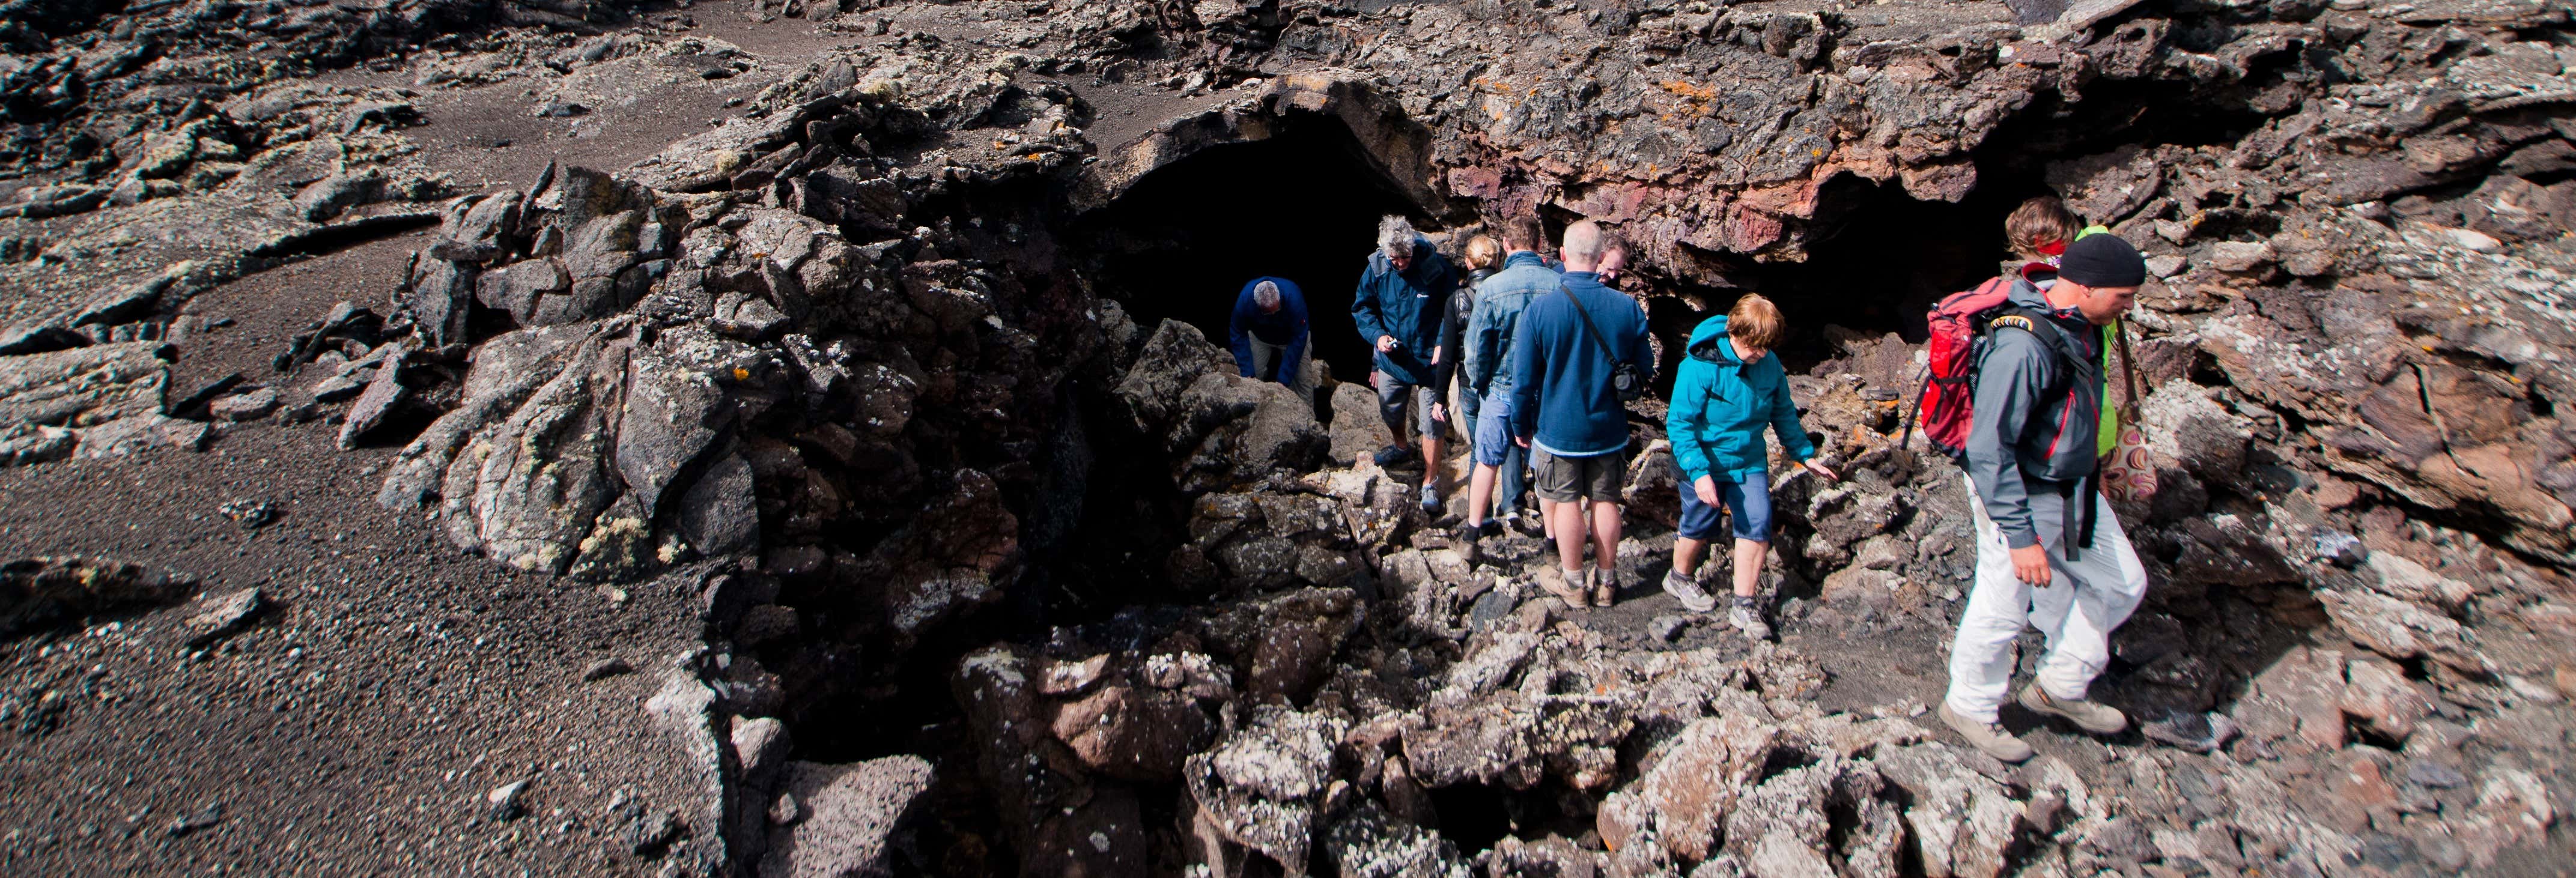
[
  {"x": 1605, "y": 587},
  {"x": 1569, "y": 589},
  {"x": 1989, "y": 738},
  {"x": 2091, "y": 716}
]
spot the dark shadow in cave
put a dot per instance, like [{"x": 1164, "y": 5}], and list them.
[{"x": 1303, "y": 204}]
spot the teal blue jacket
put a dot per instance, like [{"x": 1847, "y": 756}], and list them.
[{"x": 1720, "y": 406}]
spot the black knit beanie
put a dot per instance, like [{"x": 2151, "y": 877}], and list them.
[{"x": 2102, "y": 261}]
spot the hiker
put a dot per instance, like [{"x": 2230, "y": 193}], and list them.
[
  {"x": 1499, "y": 303},
  {"x": 2050, "y": 552},
  {"x": 1484, "y": 256},
  {"x": 1727, "y": 392},
  {"x": 1614, "y": 259},
  {"x": 1567, "y": 409},
  {"x": 2039, "y": 231},
  {"x": 1398, "y": 306},
  {"x": 1269, "y": 332}
]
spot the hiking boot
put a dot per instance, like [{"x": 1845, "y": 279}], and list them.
[
  {"x": 1746, "y": 616},
  {"x": 1430, "y": 500},
  {"x": 1685, "y": 588},
  {"x": 1465, "y": 535},
  {"x": 1527, "y": 523},
  {"x": 1491, "y": 528},
  {"x": 2091, "y": 716},
  {"x": 1393, "y": 455},
  {"x": 1605, "y": 587},
  {"x": 1567, "y": 586},
  {"x": 1989, "y": 738}
]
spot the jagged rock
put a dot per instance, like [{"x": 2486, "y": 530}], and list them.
[
  {"x": 1682, "y": 802},
  {"x": 1372, "y": 843},
  {"x": 82, "y": 387},
  {"x": 1963, "y": 821},
  {"x": 760, "y": 748},
  {"x": 2379, "y": 694},
  {"x": 1132, "y": 734},
  {"x": 851, "y": 814},
  {"x": 1260, "y": 785},
  {"x": 383, "y": 394},
  {"x": 250, "y": 406},
  {"x": 2401, "y": 629}
]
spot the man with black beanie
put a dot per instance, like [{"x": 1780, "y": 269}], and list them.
[{"x": 2050, "y": 552}]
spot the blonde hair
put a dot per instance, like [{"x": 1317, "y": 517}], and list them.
[
  {"x": 1755, "y": 322},
  {"x": 2037, "y": 222},
  {"x": 1482, "y": 251}
]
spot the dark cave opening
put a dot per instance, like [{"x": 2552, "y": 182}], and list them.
[{"x": 1303, "y": 205}]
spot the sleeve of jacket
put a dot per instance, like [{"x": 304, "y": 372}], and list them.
[
  {"x": 1453, "y": 327},
  {"x": 1682, "y": 421},
  {"x": 1237, "y": 331},
  {"x": 2009, "y": 385},
  {"x": 1485, "y": 349},
  {"x": 1641, "y": 350},
  {"x": 1294, "y": 300},
  {"x": 1364, "y": 306},
  {"x": 1784, "y": 416},
  {"x": 1525, "y": 365}
]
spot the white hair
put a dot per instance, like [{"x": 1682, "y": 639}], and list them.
[
  {"x": 1266, "y": 295},
  {"x": 1583, "y": 242},
  {"x": 1395, "y": 236}
]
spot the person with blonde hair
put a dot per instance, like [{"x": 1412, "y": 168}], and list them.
[
  {"x": 1484, "y": 257},
  {"x": 1725, "y": 395}
]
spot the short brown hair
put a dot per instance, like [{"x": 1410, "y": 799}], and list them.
[
  {"x": 1755, "y": 322},
  {"x": 2038, "y": 222},
  {"x": 1482, "y": 251},
  {"x": 1524, "y": 233}
]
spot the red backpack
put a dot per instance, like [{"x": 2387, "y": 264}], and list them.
[{"x": 1945, "y": 405}]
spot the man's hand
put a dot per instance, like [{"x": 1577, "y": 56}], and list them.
[
  {"x": 1385, "y": 344},
  {"x": 2030, "y": 564},
  {"x": 1435, "y": 355},
  {"x": 1521, "y": 441},
  {"x": 1706, "y": 488},
  {"x": 1440, "y": 412},
  {"x": 1820, "y": 470}
]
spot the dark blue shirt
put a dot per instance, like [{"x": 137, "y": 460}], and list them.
[{"x": 1286, "y": 326}]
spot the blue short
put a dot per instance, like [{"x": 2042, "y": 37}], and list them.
[
  {"x": 1494, "y": 430},
  {"x": 1748, "y": 502}
]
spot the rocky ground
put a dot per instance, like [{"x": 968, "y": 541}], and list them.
[{"x": 735, "y": 438}]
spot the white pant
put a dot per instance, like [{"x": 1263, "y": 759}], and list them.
[{"x": 2083, "y": 602}]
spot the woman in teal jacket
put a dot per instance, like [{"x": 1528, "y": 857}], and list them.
[{"x": 1726, "y": 392}]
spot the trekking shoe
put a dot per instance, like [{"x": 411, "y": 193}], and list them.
[
  {"x": 1566, "y": 586},
  {"x": 1526, "y": 522},
  {"x": 1465, "y": 535},
  {"x": 1431, "y": 500},
  {"x": 1686, "y": 589},
  {"x": 1605, "y": 587},
  {"x": 1989, "y": 738},
  {"x": 1491, "y": 528},
  {"x": 2091, "y": 716},
  {"x": 1746, "y": 616},
  {"x": 1393, "y": 455}
]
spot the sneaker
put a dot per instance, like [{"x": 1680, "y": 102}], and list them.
[
  {"x": 1605, "y": 587},
  {"x": 1465, "y": 535},
  {"x": 2091, "y": 716},
  {"x": 1566, "y": 586},
  {"x": 1746, "y": 616},
  {"x": 1989, "y": 738},
  {"x": 1431, "y": 499},
  {"x": 1393, "y": 455},
  {"x": 1686, "y": 588},
  {"x": 1491, "y": 528}
]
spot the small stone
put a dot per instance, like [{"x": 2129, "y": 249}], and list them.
[
  {"x": 648, "y": 835},
  {"x": 224, "y": 615},
  {"x": 204, "y": 818},
  {"x": 2340, "y": 549},
  {"x": 1667, "y": 628},
  {"x": 2473, "y": 241},
  {"x": 2174, "y": 231},
  {"x": 2167, "y": 265},
  {"x": 2196, "y": 732},
  {"x": 251, "y": 514},
  {"x": 336, "y": 388},
  {"x": 2241, "y": 257},
  {"x": 502, "y": 803},
  {"x": 250, "y": 406},
  {"x": 604, "y": 669},
  {"x": 785, "y": 811}
]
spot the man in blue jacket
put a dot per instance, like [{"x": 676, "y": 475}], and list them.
[
  {"x": 1398, "y": 306},
  {"x": 1565, "y": 410},
  {"x": 1500, "y": 301},
  {"x": 1269, "y": 332}
]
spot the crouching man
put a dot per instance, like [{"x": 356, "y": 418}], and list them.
[{"x": 2050, "y": 552}]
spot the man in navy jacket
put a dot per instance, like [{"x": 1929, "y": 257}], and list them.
[
  {"x": 1398, "y": 306},
  {"x": 1566, "y": 412},
  {"x": 1269, "y": 331}
]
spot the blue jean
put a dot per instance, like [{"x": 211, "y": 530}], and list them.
[
  {"x": 1748, "y": 502},
  {"x": 1495, "y": 448}
]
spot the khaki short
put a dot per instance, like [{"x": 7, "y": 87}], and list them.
[{"x": 1567, "y": 479}]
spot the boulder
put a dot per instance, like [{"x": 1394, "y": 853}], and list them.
[{"x": 851, "y": 816}]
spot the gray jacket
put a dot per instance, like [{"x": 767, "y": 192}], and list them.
[
  {"x": 1499, "y": 302},
  {"x": 2038, "y": 413}
]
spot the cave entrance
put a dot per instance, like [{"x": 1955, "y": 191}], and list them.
[
  {"x": 1302, "y": 204},
  {"x": 1880, "y": 259}
]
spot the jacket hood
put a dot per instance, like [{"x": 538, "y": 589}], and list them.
[{"x": 1708, "y": 342}]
